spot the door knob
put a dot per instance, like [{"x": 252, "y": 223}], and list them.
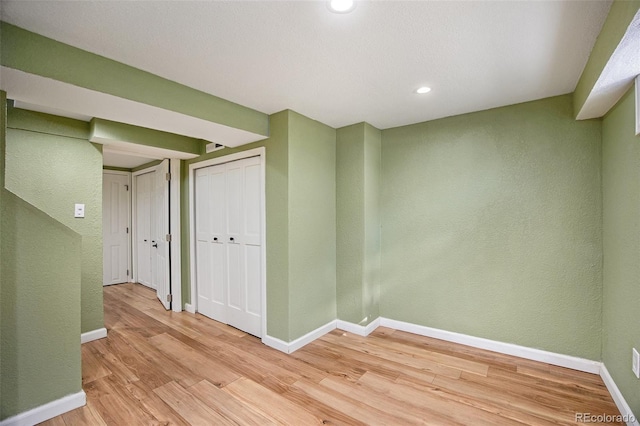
[
  {"x": 231, "y": 239},
  {"x": 145, "y": 241},
  {"x": 215, "y": 238},
  {"x": 154, "y": 245}
]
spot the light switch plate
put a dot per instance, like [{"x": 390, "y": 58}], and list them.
[
  {"x": 636, "y": 363},
  {"x": 79, "y": 210}
]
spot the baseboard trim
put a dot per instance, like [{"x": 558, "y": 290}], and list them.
[
  {"x": 47, "y": 411},
  {"x": 90, "y": 336},
  {"x": 618, "y": 398},
  {"x": 296, "y": 344},
  {"x": 553, "y": 358},
  {"x": 189, "y": 308},
  {"x": 358, "y": 329}
]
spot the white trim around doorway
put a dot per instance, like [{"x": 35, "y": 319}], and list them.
[{"x": 256, "y": 152}]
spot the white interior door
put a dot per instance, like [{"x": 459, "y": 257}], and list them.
[
  {"x": 143, "y": 227},
  {"x": 160, "y": 268},
  {"x": 228, "y": 205},
  {"x": 115, "y": 227}
]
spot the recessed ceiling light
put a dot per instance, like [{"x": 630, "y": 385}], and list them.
[
  {"x": 341, "y": 6},
  {"x": 422, "y": 90}
]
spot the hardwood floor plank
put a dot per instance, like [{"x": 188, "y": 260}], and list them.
[
  {"x": 202, "y": 365},
  {"x": 189, "y": 407},
  {"x": 271, "y": 404},
  {"x": 228, "y": 406}
]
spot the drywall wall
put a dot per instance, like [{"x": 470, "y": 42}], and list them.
[
  {"x": 39, "y": 302},
  {"x": 41, "y": 274},
  {"x": 492, "y": 226},
  {"x": 358, "y": 150},
  {"x": 312, "y": 224},
  {"x": 621, "y": 246},
  {"x": 52, "y": 165}
]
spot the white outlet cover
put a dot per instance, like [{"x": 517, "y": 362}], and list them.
[
  {"x": 636, "y": 363},
  {"x": 79, "y": 210}
]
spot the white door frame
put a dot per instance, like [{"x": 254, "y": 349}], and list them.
[
  {"x": 174, "y": 227},
  {"x": 129, "y": 218},
  {"x": 256, "y": 152}
]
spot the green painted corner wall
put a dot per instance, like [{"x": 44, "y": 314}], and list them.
[
  {"x": 312, "y": 224},
  {"x": 620, "y": 16},
  {"x": 30, "y": 52},
  {"x": 53, "y": 171},
  {"x": 621, "y": 246},
  {"x": 350, "y": 229},
  {"x": 358, "y": 164},
  {"x": 492, "y": 226},
  {"x": 3, "y": 131}
]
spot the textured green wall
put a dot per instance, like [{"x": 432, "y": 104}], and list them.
[
  {"x": 53, "y": 166},
  {"x": 277, "y": 223},
  {"x": 358, "y": 223},
  {"x": 35, "y": 54},
  {"x": 312, "y": 224},
  {"x": 621, "y": 228},
  {"x": 39, "y": 302},
  {"x": 620, "y": 16},
  {"x": 41, "y": 276},
  {"x": 492, "y": 226}
]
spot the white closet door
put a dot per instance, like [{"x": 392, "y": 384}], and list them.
[
  {"x": 115, "y": 226},
  {"x": 210, "y": 237},
  {"x": 143, "y": 228},
  {"x": 228, "y": 236},
  {"x": 243, "y": 248},
  {"x": 159, "y": 231}
]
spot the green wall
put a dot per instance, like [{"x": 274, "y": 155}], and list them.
[
  {"x": 39, "y": 302},
  {"x": 492, "y": 226},
  {"x": 300, "y": 213},
  {"x": 621, "y": 228},
  {"x": 358, "y": 223},
  {"x": 52, "y": 165},
  {"x": 312, "y": 225}
]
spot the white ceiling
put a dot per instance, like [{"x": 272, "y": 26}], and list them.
[{"x": 339, "y": 68}]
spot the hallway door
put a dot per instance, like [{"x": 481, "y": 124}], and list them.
[
  {"x": 160, "y": 269},
  {"x": 116, "y": 206}
]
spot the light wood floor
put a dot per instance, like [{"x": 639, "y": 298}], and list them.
[{"x": 160, "y": 367}]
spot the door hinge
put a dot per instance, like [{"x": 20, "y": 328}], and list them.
[
  {"x": 127, "y": 272},
  {"x": 126, "y": 187},
  {"x": 127, "y": 229},
  {"x": 169, "y": 298},
  {"x": 168, "y": 237},
  {"x": 168, "y": 176}
]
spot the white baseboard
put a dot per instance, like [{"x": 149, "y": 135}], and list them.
[
  {"x": 296, "y": 344},
  {"x": 92, "y": 335},
  {"x": 47, "y": 411},
  {"x": 561, "y": 360},
  {"x": 621, "y": 403},
  {"x": 358, "y": 329},
  {"x": 189, "y": 308}
]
